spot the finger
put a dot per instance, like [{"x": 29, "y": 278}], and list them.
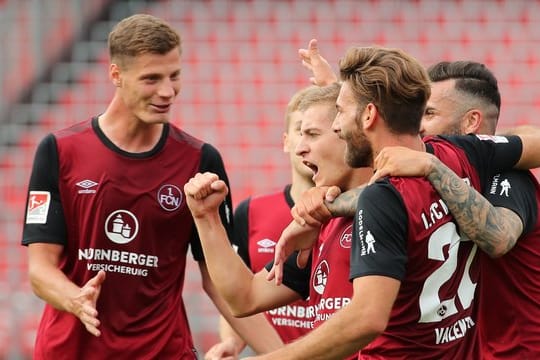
[
  {"x": 97, "y": 280},
  {"x": 297, "y": 217},
  {"x": 302, "y": 258},
  {"x": 92, "y": 330},
  {"x": 305, "y": 212},
  {"x": 313, "y": 47},
  {"x": 89, "y": 320},
  {"x": 277, "y": 269},
  {"x": 278, "y": 273},
  {"x": 307, "y": 64},
  {"x": 332, "y": 193},
  {"x": 271, "y": 274},
  {"x": 303, "y": 54},
  {"x": 219, "y": 185},
  {"x": 379, "y": 174}
]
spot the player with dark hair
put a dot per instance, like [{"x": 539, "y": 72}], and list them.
[
  {"x": 325, "y": 281},
  {"x": 413, "y": 275},
  {"x": 465, "y": 99},
  {"x": 107, "y": 227}
]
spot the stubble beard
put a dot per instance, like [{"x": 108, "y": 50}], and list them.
[{"x": 359, "y": 152}]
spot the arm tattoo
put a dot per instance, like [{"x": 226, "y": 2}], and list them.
[
  {"x": 494, "y": 230},
  {"x": 345, "y": 204}
]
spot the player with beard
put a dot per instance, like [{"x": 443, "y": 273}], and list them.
[
  {"x": 465, "y": 99},
  {"x": 402, "y": 306},
  {"x": 328, "y": 289}
]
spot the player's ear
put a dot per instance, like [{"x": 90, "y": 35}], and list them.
[
  {"x": 285, "y": 138},
  {"x": 114, "y": 75},
  {"x": 369, "y": 115},
  {"x": 472, "y": 121}
]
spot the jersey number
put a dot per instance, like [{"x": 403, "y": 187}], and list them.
[{"x": 433, "y": 308}]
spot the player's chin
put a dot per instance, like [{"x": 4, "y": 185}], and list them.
[{"x": 157, "y": 118}]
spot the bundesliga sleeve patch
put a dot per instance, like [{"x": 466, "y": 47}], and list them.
[
  {"x": 38, "y": 207},
  {"x": 494, "y": 138}
]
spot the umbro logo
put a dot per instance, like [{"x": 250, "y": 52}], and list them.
[
  {"x": 86, "y": 186},
  {"x": 266, "y": 245}
]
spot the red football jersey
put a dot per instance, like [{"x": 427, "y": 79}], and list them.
[
  {"x": 509, "y": 322},
  {"x": 125, "y": 214},
  {"x": 404, "y": 230},
  {"x": 330, "y": 289},
  {"x": 259, "y": 222}
]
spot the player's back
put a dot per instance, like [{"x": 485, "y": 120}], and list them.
[{"x": 434, "y": 314}]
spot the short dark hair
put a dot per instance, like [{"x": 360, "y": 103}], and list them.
[
  {"x": 141, "y": 34},
  {"x": 471, "y": 77}
]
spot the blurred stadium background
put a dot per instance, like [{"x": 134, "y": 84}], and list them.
[{"x": 240, "y": 68}]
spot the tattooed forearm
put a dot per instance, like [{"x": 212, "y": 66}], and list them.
[
  {"x": 345, "y": 204},
  {"x": 494, "y": 230}
]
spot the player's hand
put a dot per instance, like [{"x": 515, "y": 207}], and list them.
[
  {"x": 311, "y": 208},
  {"x": 293, "y": 238},
  {"x": 402, "y": 161},
  {"x": 205, "y": 193},
  {"x": 84, "y": 305},
  {"x": 320, "y": 68},
  {"x": 224, "y": 350}
]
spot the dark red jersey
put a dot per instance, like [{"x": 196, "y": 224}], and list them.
[
  {"x": 404, "y": 230},
  {"x": 330, "y": 289},
  {"x": 126, "y": 214},
  {"x": 259, "y": 222},
  {"x": 509, "y": 321}
]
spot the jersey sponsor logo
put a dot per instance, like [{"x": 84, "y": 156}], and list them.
[
  {"x": 38, "y": 207},
  {"x": 505, "y": 186},
  {"x": 295, "y": 316},
  {"x": 494, "y": 138},
  {"x": 121, "y": 226},
  {"x": 169, "y": 197},
  {"x": 266, "y": 246},
  {"x": 86, "y": 186},
  {"x": 346, "y": 238},
  {"x": 320, "y": 277},
  {"x": 370, "y": 243}
]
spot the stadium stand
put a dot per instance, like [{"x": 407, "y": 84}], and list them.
[{"x": 240, "y": 68}]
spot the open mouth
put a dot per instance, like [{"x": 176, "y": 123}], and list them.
[{"x": 312, "y": 166}]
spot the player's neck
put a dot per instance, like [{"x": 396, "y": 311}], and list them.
[
  {"x": 131, "y": 135},
  {"x": 413, "y": 142},
  {"x": 299, "y": 184}
]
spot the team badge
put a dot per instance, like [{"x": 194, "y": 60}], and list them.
[
  {"x": 346, "y": 238},
  {"x": 320, "y": 277},
  {"x": 169, "y": 197}
]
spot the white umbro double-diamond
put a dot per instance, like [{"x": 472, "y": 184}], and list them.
[
  {"x": 86, "y": 184},
  {"x": 266, "y": 246}
]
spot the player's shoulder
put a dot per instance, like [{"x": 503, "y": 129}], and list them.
[
  {"x": 78, "y": 129},
  {"x": 185, "y": 138}
]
